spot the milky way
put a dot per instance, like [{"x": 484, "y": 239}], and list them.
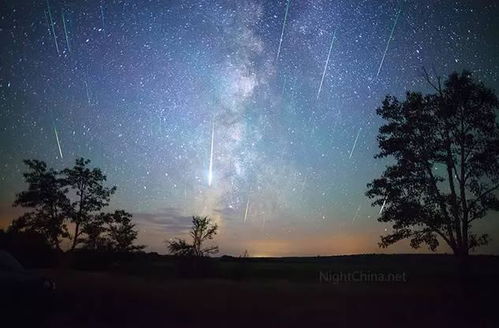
[{"x": 260, "y": 114}]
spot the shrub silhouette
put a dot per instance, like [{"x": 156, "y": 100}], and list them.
[{"x": 202, "y": 230}]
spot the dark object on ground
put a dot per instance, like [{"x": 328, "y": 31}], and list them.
[
  {"x": 25, "y": 295},
  {"x": 28, "y": 247}
]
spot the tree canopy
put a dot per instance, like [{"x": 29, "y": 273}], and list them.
[
  {"x": 445, "y": 169},
  {"x": 46, "y": 197},
  {"x": 91, "y": 194},
  {"x": 73, "y": 196}
]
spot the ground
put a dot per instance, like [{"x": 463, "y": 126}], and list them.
[{"x": 278, "y": 293}]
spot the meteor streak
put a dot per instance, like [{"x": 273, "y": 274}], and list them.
[
  {"x": 355, "y": 143},
  {"x": 282, "y": 31},
  {"x": 102, "y": 15},
  {"x": 246, "y": 211},
  {"x": 210, "y": 169},
  {"x": 388, "y": 42},
  {"x": 327, "y": 62},
  {"x": 52, "y": 27},
  {"x": 58, "y": 142},
  {"x": 382, "y": 207},
  {"x": 65, "y": 31},
  {"x": 87, "y": 92}
]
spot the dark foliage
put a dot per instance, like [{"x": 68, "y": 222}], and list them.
[
  {"x": 91, "y": 195},
  {"x": 30, "y": 248},
  {"x": 111, "y": 231},
  {"x": 48, "y": 196}
]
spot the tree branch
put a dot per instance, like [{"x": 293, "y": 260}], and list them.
[
  {"x": 488, "y": 191},
  {"x": 428, "y": 80}
]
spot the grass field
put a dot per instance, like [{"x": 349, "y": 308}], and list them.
[{"x": 280, "y": 292}]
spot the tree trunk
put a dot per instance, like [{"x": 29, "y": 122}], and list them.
[
  {"x": 75, "y": 239},
  {"x": 461, "y": 251},
  {"x": 465, "y": 237},
  {"x": 56, "y": 244}
]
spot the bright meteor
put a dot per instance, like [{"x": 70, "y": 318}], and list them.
[
  {"x": 58, "y": 142},
  {"x": 52, "y": 27},
  {"x": 102, "y": 15},
  {"x": 65, "y": 31},
  {"x": 355, "y": 143},
  {"x": 282, "y": 30},
  {"x": 246, "y": 210},
  {"x": 327, "y": 62},
  {"x": 382, "y": 207},
  {"x": 210, "y": 169},
  {"x": 388, "y": 42}
]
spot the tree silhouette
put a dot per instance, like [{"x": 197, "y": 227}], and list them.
[
  {"x": 52, "y": 208},
  {"x": 446, "y": 170},
  {"x": 46, "y": 196},
  {"x": 180, "y": 247},
  {"x": 95, "y": 231},
  {"x": 202, "y": 230},
  {"x": 110, "y": 231},
  {"x": 121, "y": 231},
  {"x": 91, "y": 195}
]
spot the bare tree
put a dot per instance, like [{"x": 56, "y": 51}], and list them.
[{"x": 202, "y": 230}]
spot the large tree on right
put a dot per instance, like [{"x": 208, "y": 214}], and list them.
[{"x": 443, "y": 172}]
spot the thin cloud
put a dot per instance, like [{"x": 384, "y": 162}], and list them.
[{"x": 168, "y": 218}]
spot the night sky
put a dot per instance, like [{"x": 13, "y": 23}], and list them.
[{"x": 260, "y": 114}]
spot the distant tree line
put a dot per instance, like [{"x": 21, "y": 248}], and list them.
[{"x": 73, "y": 197}]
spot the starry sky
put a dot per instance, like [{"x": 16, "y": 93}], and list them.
[{"x": 260, "y": 114}]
